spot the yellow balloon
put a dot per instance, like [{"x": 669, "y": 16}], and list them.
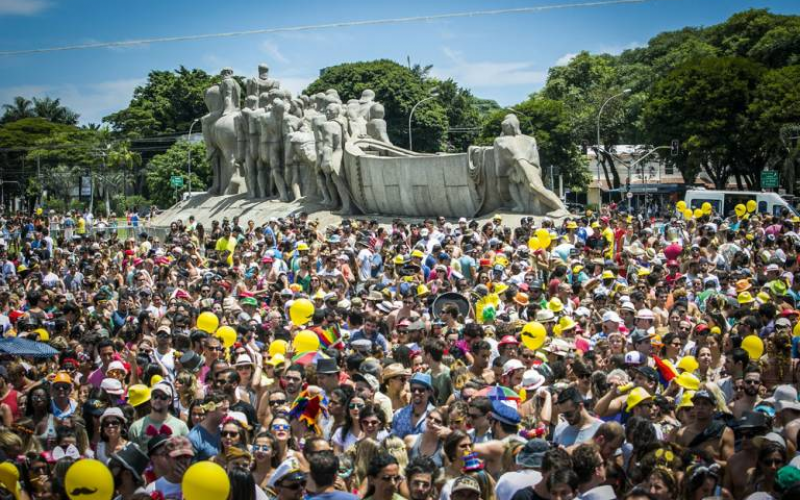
[
  {"x": 89, "y": 479},
  {"x": 301, "y": 312},
  {"x": 797, "y": 330},
  {"x": 226, "y": 335},
  {"x": 533, "y": 335},
  {"x": 681, "y": 206},
  {"x": 688, "y": 214},
  {"x": 205, "y": 481},
  {"x": 305, "y": 341},
  {"x": 707, "y": 208},
  {"x": 698, "y": 212},
  {"x": 278, "y": 347},
  {"x": 208, "y": 322},
  {"x": 751, "y": 206},
  {"x": 534, "y": 244},
  {"x": 39, "y": 211},
  {"x": 541, "y": 232},
  {"x": 754, "y": 346},
  {"x": 740, "y": 210},
  {"x": 545, "y": 240}
]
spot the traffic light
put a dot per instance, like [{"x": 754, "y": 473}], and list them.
[{"x": 675, "y": 147}]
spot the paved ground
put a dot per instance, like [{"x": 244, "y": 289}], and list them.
[{"x": 207, "y": 208}]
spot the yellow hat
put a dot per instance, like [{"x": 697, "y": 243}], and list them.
[
  {"x": 9, "y": 478},
  {"x": 302, "y": 246},
  {"x": 44, "y": 335},
  {"x": 576, "y": 269},
  {"x": 155, "y": 379},
  {"x": 422, "y": 291},
  {"x": 497, "y": 217},
  {"x": 62, "y": 378},
  {"x": 630, "y": 219},
  {"x": 745, "y": 298},
  {"x": 320, "y": 295},
  {"x": 138, "y": 394},
  {"x": 636, "y": 396},
  {"x": 499, "y": 288},
  {"x": 763, "y": 297},
  {"x": 688, "y": 381},
  {"x": 688, "y": 364},
  {"x": 589, "y": 213},
  {"x": 686, "y": 400},
  {"x": 572, "y": 225},
  {"x": 417, "y": 253},
  {"x": 643, "y": 271},
  {"x": 608, "y": 275},
  {"x": 399, "y": 260},
  {"x": 595, "y": 225},
  {"x": 567, "y": 323},
  {"x": 277, "y": 359},
  {"x": 555, "y": 305}
]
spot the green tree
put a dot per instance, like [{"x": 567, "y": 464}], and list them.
[
  {"x": 166, "y": 104},
  {"x": 548, "y": 121},
  {"x": 398, "y": 89},
  {"x": 21, "y": 108},
  {"x": 463, "y": 115},
  {"x": 52, "y": 110},
  {"x": 704, "y": 104},
  {"x": 174, "y": 162}
]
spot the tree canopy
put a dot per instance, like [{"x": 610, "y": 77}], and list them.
[{"x": 48, "y": 108}]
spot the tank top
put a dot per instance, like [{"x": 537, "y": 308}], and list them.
[{"x": 11, "y": 401}]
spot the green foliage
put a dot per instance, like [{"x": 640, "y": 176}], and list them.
[
  {"x": 704, "y": 103},
  {"x": 122, "y": 203},
  {"x": 463, "y": 116},
  {"x": 398, "y": 89},
  {"x": 166, "y": 104},
  {"x": 547, "y": 120},
  {"x": 174, "y": 162},
  {"x": 48, "y": 108}
]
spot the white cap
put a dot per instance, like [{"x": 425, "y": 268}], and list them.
[
  {"x": 511, "y": 365},
  {"x": 117, "y": 365},
  {"x": 462, "y": 219},
  {"x": 611, "y": 316},
  {"x": 243, "y": 360},
  {"x": 628, "y": 306},
  {"x": 532, "y": 380},
  {"x": 113, "y": 412},
  {"x": 645, "y": 314},
  {"x": 112, "y": 386}
]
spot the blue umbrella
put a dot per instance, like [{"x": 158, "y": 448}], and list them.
[{"x": 27, "y": 348}]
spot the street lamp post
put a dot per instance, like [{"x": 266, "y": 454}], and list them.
[
  {"x": 597, "y": 158},
  {"x": 189, "y": 154},
  {"x": 434, "y": 94}
]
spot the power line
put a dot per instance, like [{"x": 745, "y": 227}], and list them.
[{"x": 314, "y": 27}]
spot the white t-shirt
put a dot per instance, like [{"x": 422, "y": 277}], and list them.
[
  {"x": 171, "y": 491},
  {"x": 511, "y": 482}
]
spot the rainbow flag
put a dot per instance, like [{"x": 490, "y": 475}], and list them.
[
  {"x": 331, "y": 337},
  {"x": 666, "y": 372}
]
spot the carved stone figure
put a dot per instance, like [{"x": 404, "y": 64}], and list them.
[
  {"x": 222, "y": 147},
  {"x": 333, "y": 135},
  {"x": 366, "y": 100},
  {"x": 248, "y": 140},
  {"x": 231, "y": 92},
  {"x": 356, "y": 122},
  {"x": 272, "y": 132},
  {"x": 292, "y": 125},
  {"x": 261, "y": 83},
  {"x": 519, "y": 154},
  {"x": 321, "y": 172},
  {"x": 262, "y": 174},
  {"x": 376, "y": 128}
]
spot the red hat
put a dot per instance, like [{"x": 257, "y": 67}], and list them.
[
  {"x": 508, "y": 340},
  {"x": 137, "y": 261},
  {"x": 484, "y": 263},
  {"x": 790, "y": 312},
  {"x": 15, "y": 315},
  {"x": 672, "y": 263},
  {"x": 604, "y": 219},
  {"x": 129, "y": 252}
]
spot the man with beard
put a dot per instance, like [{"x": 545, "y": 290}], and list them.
[
  {"x": 481, "y": 353},
  {"x": 205, "y": 436},
  {"x": 227, "y": 381},
  {"x": 176, "y": 455},
  {"x": 705, "y": 432},
  {"x": 749, "y": 400},
  {"x": 750, "y": 425},
  {"x": 578, "y": 426},
  {"x": 411, "y": 418},
  {"x": 292, "y": 381},
  {"x": 105, "y": 349},
  {"x": 164, "y": 352},
  {"x": 554, "y": 459},
  {"x": 142, "y": 430},
  {"x": 419, "y": 478}
]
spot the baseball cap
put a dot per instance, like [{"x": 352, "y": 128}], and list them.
[
  {"x": 532, "y": 454},
  {"x": 466, "y": 483}
]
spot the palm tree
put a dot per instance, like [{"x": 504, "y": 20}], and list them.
[
  {"x": 124, "y": 159},
  {"x": 21, "y": 108},
  {"x": 52, "y": 110}
]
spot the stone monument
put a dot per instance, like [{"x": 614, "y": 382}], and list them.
[{"x": 317, "y": 149}]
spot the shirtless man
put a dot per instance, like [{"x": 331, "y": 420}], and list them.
[
  {"x": 749, "y": 400},
  {"x": 706, "y": 433},
  {"x": 750, "y": 425},
  {"x": 481, "y": 353}
]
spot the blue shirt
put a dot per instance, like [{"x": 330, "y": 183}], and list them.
[
  {"x": 332, "y": 495},
  {"x": 402, "y": 424},
  {"x": 376, "y": 338},
  {"x": 205, "y": 444}
]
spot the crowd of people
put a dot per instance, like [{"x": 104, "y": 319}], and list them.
[{"x": 597, "y": 357}]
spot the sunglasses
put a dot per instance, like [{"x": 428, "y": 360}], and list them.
[
  {"x": 280, "y": 427},
  {"x": 264, "y": 447},
  {"x": 160, "y": 397},
  {"x": 437, "y": 421},
  {"x": 277, "y": 402},
  {"x": 354, "y": 406},
  {"x": 112, "y": 423},
  {"x": 772, "y": 462},
  {"x": 418, "y": 390},
  {"x": 228, "y": 434},
  {"x": 371, "y": 423}
]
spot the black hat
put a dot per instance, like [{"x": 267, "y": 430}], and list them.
[
  {"x": 191, "y": 361},
  {"x": 327, "y": 366},
  {"x": 752, "y": 420},
  {"x": 704, "y": 394},
  {"x": 648, "y": 372},
  {"x": 133, "y": 459},
  {"x": 155, "y": 443}
]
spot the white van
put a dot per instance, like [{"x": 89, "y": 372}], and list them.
[{"x": 725, "y": 201}]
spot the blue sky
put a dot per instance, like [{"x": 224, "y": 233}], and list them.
[{"x": 503, "y": 57}]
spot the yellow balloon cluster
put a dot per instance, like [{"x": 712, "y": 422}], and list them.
[
  {"x": 208, "y": 322},
  {"x": 681, "y": 206},
  {"x": 533, "y": 335},
  {"x": 540, "y": 239},
  {"x": 305, "y": 341},
  {"x": 740, "y": 210},
  {"x": 204, "y": 481},
  {"x": 751, "y": 206},
  {"x": 226, "y": 335}
]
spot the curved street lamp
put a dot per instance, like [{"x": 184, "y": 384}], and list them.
[
  {"x": 597, "y": 159},
  {"x": 434, "y": 94}
]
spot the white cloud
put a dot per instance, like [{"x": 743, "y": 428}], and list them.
[
  {"x": 92, "y": 101},
  {"x": 271, "y": 49},
  {"x": 296, "y": 84},
  {"x": 22, "y": 7},
  {"x": 565, "y": 59},
  {"x": 477, "y": 74},
  {"x": 616, "y": 50}
]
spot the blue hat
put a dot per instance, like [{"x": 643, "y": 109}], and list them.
[
  {"x": 503, "y": 412},
  {"x": 421, "y": 379}
]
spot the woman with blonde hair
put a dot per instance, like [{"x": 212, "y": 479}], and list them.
[
  {"x": 188, "y": 390},
  {"x": 362, "y": 454},
  {"x": 25, "y": 429},
  {"x": 397, "y": 448}
]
